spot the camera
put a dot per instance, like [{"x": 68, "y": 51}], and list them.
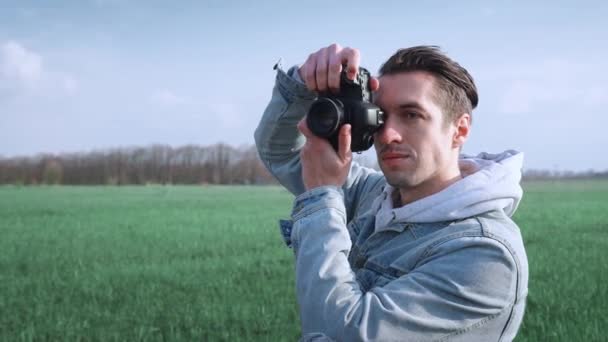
[{"x": 352, "y": 105}]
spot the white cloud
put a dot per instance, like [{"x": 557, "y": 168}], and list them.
[
  {"x": 23, "y": 72},
  {"x": 18, "y": 64}
]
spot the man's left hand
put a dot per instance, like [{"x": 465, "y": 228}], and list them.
[{"x": 321, "y": 164}]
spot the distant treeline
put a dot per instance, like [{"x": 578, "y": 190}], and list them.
[
  {"x": 549, "y": 175},
  {"x": 162, "y": 164},
  {"x": 156, "y": 164}
]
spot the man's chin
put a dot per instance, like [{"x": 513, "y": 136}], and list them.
[{"x": 398, "y": 180}]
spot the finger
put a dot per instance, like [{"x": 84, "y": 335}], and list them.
[
  {"x": 351, "y": 58},
  {"x": 321, "y": 72},
  {"x": 303, "y": 128},
  {"x": 309, "y": 72},
  {"x": 344, "y": 140},
  {"x": 334, "y": 68},
  {"x": 374, "y": 83}
]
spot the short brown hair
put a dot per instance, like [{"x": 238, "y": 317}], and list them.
[{"x": 457, "y": 93}]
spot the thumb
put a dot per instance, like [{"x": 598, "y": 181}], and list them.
[
  {"x": 374, "y": 83},
  {"x": 303, "y": 128},
  {"x": 344, "y": 141}
]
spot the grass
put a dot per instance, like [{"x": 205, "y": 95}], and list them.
[
  {"x": 207, "y": 263},
  {"x": 144, "y": 263},
  {"x": 565, "y": 227}
]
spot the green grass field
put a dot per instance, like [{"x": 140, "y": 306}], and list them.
[{"x": 207, "y": 263}]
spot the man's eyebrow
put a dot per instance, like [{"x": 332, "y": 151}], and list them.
[{"x": 409, "y": 105}]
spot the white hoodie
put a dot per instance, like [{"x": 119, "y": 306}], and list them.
[{"x": 490, "y": 182}]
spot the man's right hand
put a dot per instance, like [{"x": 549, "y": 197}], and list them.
[{"x": 321, "y": 71}]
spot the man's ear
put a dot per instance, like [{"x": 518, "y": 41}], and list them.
[{"x": 463, "y": 127}]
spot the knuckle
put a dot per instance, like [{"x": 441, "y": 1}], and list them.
[
  {"x": 335, "y": 67},
  {"x": 321, "y": 55},
  {"x": 350, "y": 52},
  {"x": 309, "y": 60},
  {"x": 335, "y": 47},
  {"x": 309, "y": 75},
  {"x": 321, "y": 69},
  {"x": 310, "y": 82}
]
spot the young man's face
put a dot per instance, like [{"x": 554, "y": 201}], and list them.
[{"x": 414, "y": 146}]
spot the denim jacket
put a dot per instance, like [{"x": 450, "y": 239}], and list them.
[{"x": 451, "y": 267}]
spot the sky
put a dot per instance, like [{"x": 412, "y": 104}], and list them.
[{"x": 77, "y": 76}]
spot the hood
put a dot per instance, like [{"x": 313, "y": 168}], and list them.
[{"x": 490, "y": 182}]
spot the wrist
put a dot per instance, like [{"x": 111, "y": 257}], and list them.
[
  {"x": 316, "y": 185},
  {"x": 292, "y": 88},
  {"x": 326, "y": 196}
]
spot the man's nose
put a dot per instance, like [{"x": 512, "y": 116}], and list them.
[{"x": 388, "y": 134}]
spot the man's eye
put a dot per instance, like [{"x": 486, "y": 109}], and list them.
[{"x": 412, "y": 115}]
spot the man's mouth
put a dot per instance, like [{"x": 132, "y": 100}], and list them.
[{"x": 393, "y": 156}]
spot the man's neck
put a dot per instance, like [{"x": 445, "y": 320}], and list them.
[{"x": 426, "y": 188}]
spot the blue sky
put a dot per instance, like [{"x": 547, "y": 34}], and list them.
[{"x": 84, "y": 75}]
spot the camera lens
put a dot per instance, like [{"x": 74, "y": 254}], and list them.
[{"x": 325, "y": 116}]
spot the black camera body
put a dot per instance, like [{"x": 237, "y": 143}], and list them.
[{"x": 352, "y": 105}]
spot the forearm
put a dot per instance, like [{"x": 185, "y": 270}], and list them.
[
  {"x": 277, "y": 137},
  {"x": 326, "y": 285}
]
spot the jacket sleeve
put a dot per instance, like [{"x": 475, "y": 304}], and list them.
[
  {"x": 278, "y": 141},
  {"x": 453, "y": 294}
]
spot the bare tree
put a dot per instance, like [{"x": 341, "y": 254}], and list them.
[{"x": 157, "y": 164}]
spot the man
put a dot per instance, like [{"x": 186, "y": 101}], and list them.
[{"x": 425, "y": 250}]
